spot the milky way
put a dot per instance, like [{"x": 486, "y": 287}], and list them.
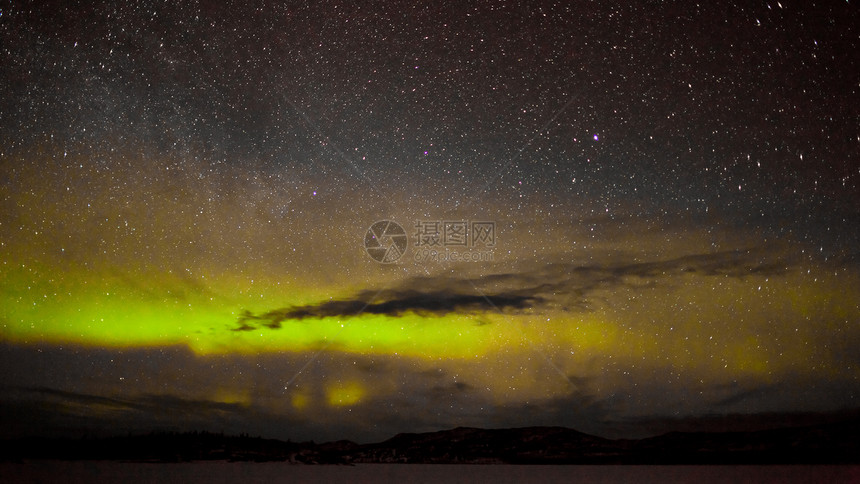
[{"x": 618, "y": 219}]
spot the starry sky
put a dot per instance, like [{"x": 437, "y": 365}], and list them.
[{"x": 189, "y": 191}]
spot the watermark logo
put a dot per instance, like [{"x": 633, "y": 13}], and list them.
[
  {"x": 435, "y": 241},
  {"x": 455, "y": 234},
  {"x": 386, "y": 241}
]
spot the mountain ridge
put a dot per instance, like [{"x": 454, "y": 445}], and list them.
[{"x": 830, "y": 443}]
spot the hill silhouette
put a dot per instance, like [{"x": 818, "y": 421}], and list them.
[{"x": 831, "y": 443}]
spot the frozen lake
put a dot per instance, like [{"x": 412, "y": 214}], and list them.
[{"x": 213, "y": 472}]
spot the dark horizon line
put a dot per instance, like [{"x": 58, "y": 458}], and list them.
[{"x": 826, "y": 442}]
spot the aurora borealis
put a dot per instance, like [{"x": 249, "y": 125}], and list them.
[{"x": 186, "y": 192}]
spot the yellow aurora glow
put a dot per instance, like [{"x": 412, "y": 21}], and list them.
[{"x": 760, "y": 323}]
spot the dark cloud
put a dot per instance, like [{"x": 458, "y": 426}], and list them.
[
  {"x": 732, "y": 422},
  {"x": 46, "y": 411},
  {"x": 568, "y": 287},
  {"x": 735, "y": 263},
  {"x": 450, "y": 391},
  {"x": 393, "y": 303},
  {"x": 743, "y": 396},
  {"x": 586, "y": 277},
  {"x": 39, "y": 411},
  {"x": 579, "y": 409}
]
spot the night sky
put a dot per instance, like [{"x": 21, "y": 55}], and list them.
[{"x": 660, "y": 202}]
